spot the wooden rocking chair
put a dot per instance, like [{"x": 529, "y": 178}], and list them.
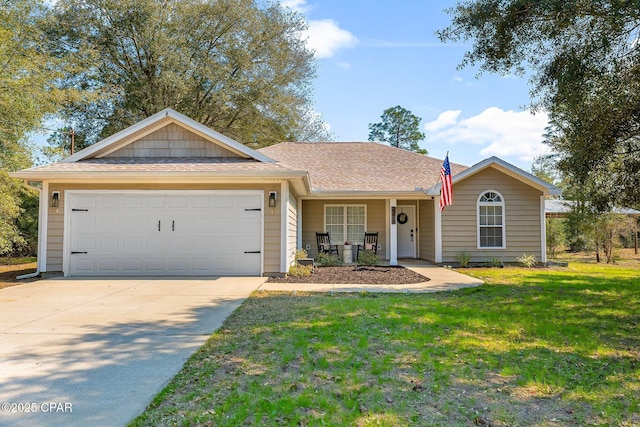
[
  {"x": 369, "y": 243},
  {"x": 324, "y": 244}
]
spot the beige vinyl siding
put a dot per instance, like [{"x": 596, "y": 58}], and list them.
[
  {"x": 313, "y": 221},
  {"x": 272, "y": 223},
  {"x": 426, "y": 224},
  {"x": 522, "y": 218},
  {"x": 172, "y": 141},
  {"x": 292, "y": 228}
]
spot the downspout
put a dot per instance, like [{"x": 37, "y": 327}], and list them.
[{"x": 40, "y": 216}]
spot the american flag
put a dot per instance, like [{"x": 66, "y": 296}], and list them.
[{"x": 446, "y": 192}]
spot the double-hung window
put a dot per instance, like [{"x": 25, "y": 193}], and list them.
[
  {"x": 345, "y": 223},
  {"x": 491, "y": 227}
]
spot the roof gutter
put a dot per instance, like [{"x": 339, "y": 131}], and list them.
[{"x": 417, "y": 193}]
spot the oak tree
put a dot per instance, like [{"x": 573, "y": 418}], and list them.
[
  {"x": 584, "y": 63},
  {"x": 237, "y": 66}
]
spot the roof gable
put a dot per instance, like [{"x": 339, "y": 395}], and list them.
[
  {"x": 124, "y": 139},
  {"x": 507, "y": 169}
]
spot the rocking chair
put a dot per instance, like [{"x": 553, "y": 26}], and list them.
[
  {"x": 369, "y": 243},
  {"x": 324, "y": 244}
]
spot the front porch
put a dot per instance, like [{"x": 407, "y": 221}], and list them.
[{"x": 407, "y": 228}]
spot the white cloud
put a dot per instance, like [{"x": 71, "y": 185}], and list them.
[
  {"x": 448, "y": 118},
  {"x": 296, "y": 5},
  {"x": 516, "y": 134},
  {"x": 325, "y": 37}
]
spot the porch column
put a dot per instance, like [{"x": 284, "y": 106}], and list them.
[
  {"x": 437, "y": 215},
  {"x": 393, "y": 233}
]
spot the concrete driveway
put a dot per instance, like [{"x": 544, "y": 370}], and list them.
[{"x": 94, "y": 352}]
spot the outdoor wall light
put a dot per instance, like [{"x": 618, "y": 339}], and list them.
[
  {"x": 55, "y": 199},
  {"x": 272, "y": 199}
]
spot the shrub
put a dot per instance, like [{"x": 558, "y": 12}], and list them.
[
  {"x": 301, "y": 254},
  {"x": 555, "y": 236},
  {"x": 300, "y": 270},
  {"x": 463, "y": 258},
  {"x": 495, "y": 261},
  {"x": 527, "y": 260},
  {"x": 327, "y": 260},
  {"x": 367, "y": 257}
]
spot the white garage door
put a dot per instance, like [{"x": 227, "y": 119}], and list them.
[{"x": 164, "y": 233}]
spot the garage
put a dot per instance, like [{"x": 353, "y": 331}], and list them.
[{"x": 181, "y": 233}]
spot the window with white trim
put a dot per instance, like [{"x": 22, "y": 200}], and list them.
[
  {"x": 491, "y": 227},
  {"x": 345, "y": 223}
]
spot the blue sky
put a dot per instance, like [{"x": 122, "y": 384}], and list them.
[{"x": 376, "y": 55}]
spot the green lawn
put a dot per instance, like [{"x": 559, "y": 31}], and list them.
[{"x": 532, "y": 347}]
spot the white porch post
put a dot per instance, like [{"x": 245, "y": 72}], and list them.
[
  {"x": 393, "y": 233},
  {"x": 437, "y": 215},
  {"x": 543, "y": 232}
]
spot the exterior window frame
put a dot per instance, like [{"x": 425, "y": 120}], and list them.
[
  {"x": 501, "y": 204},
  {"x": 344, "y": 221}
]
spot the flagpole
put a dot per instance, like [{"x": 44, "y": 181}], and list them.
[{"x": 440, "y": 176}]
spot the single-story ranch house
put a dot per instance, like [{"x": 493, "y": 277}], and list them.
[{"x": 169, "y": 196}]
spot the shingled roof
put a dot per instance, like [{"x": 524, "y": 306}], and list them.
[{"x": 359, "y": 166}]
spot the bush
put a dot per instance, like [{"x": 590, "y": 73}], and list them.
[
  {"x": 495, "y": 261},
  {"x": 527, "y": 260},
  {"x": 555, "y": 236},
  {"x": 327, "y": 260},
  {"x": 367, "y": 257},
  {"x": 300, "y": 270},
  {"x": 463, "y": 258},
  {"x": 301, "y": 254}
]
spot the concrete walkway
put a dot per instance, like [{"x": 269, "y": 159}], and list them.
[{"x": 441, "y": 279}]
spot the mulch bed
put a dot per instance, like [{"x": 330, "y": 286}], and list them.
[{"x": 379, "y": 275}]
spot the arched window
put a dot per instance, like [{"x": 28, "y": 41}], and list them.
[{"x": 491, "y": 226}]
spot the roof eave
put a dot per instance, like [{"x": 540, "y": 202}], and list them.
[
  {"x": 341, "y": 194},
  {"x": 505, "y": 167}
]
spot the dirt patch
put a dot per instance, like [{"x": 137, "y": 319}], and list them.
[
  {"x": 356, "y": 276},
  {"x": 8, "y": 273}
]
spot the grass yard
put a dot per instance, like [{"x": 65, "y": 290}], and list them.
[{"x": 532, "y": 347}]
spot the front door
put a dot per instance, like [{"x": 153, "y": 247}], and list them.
[{"x": 406, "y": 231}]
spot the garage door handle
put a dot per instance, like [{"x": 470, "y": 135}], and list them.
[
  {"x": 76, "y": 252},
  {"x": 158, "y": 225},
  {"x": 173, "y": 226},
  {"x": 251, "y": 252}
]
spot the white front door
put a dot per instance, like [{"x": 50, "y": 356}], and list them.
[
  {"x": 164, "y": 233},
  {"x": 406, "y": 231}
]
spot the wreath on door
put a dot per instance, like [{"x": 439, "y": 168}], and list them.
[{"x": 402, "y": 218}]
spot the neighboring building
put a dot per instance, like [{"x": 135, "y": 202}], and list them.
[{"x": 169, "y": 196}]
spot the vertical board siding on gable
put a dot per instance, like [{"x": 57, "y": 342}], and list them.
[
  {"x": 313, "y": 221},
  {"x": 271, "y": 224},
  {"x": 426, "y": 224},
  {"x": 172, "y": 141},
  {"x": 522, "y": 208}
]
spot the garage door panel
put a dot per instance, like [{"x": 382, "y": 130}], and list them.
[
  {"x": 132, "y": 266},
  {"x": 200, "y": 233}
]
